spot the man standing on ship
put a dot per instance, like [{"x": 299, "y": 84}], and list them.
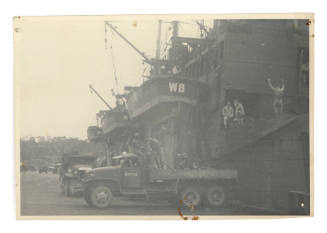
[
  {"x": 239, "y": 112},
  {"x": 278, "y": 99},
  {"x": 228, "y": 114}
]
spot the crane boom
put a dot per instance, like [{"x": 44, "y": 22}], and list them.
[
  {"x": 100, "y": 97},
  {"x": 146, "y": 59},
  {"x": 202, "y": 27}
]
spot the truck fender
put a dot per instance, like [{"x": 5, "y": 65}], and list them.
[{"x": 112, "y": 184}]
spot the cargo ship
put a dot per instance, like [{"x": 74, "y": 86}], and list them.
[{"x": 236, "y": 98}]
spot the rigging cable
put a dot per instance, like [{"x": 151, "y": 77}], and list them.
[
  {"x": 111, "y": 53},
  {"x": 113, "y": 64}
]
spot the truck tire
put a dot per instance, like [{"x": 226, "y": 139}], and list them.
[
  {"x": 215, "y": 196},
  {"x": 100, "y": 196},
  {"x": 190, "y": 197}
]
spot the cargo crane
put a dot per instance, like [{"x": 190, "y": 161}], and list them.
[
  {"x": 146, "y": 59},
  {"x": 156, "y": 63},
  {"x": 100, "y": 97}
]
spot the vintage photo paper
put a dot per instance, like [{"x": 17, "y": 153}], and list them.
[{"x": 163, "y": 116}]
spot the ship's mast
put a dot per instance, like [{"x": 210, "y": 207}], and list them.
[
  {"x": 175, "y": 28},
  {"x": 158, "y": 40}
]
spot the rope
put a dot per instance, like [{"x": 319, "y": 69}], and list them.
[
  {"x": 111, "y": 53},
  {"x": 113, "y": 64}
]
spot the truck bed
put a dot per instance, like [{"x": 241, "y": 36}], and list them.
[{"x": 192, "y": 174}]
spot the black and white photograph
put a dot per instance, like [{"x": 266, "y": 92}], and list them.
[{"x": 163, "y": 116}]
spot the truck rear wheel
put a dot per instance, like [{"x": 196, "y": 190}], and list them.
[
  {"x": 191, "y": 197},
  {"x": 215, "y": 196},
  {"x": 100, "y": 196}
]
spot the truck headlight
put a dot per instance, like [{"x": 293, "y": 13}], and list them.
[{"x": 87, "y": 175}]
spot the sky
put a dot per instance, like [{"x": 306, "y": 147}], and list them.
[{"x": 57, "y": 58}]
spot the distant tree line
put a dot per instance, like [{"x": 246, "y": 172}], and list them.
[{"x": 44, "y": 151}]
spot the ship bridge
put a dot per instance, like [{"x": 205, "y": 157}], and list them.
[
  {"x": 108, "y": 122},
  {"x": 114, "y": 119},
  {"x": 164, "y": 89}
]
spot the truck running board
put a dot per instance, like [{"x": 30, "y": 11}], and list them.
[{"x": 133, "y": 192}]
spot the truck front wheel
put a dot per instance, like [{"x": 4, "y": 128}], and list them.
[
  {"x": 191, "y": 197},
  {"x": 215, "y": 196},
  {"x": 100, "y": 196}
]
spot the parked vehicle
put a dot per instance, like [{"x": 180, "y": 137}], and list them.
[
  {"x": 73, "y": 167},
  {"x": 25, "y": 168},
  {"x": 134, "y": 177},
  {"x": 43, "y": 169}
]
